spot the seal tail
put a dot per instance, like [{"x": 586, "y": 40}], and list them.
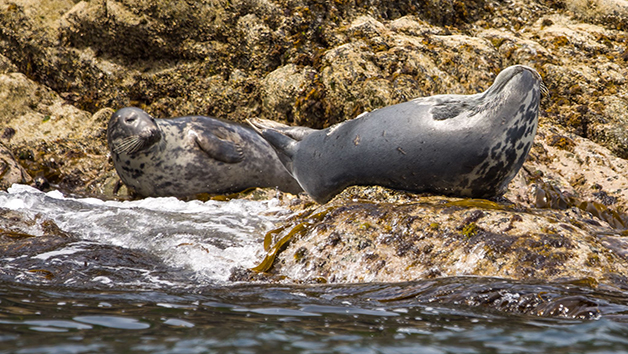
[{"x": 282, "y": 138}]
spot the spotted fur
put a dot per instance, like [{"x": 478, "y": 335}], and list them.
[{"x": 187, "y": 156}]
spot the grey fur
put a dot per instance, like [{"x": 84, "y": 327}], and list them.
[
  {"x": 187, "y": 156},
  {"x": 459, "y": 145}
]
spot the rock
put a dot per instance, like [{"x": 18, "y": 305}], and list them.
[
  {"x": 24, "y": 235},
  {"x": 573, "y": 166},
  {"x": 66, "y": 65},
  {"x": 350, "y": 240},
  {"x": 280, "y": 88},
  {"x": 406, "y": 237},
  {"x": 50, "y": 138},
  {"x": 610, "y": 12}
]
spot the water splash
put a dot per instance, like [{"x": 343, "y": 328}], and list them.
[{"x": 207, "y": 238}]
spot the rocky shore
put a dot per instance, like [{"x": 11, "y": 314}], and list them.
[{"x": 66, "y": 65}]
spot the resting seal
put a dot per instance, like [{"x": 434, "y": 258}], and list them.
[
  {"x": 187, "y": 156},
  {"x": 458, "y": 145}
]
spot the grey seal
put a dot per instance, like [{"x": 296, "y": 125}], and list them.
[
  {"x": 188, "y": 156},
  {"x": 456, "y": 145}
]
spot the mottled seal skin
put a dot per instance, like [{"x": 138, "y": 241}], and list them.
[
  {"x": 457, "y": 145},
  {"x": 187, "y": 156}
]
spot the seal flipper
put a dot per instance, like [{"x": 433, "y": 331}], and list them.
[
  {"x": 284, "y": 144},
  {"x": 216, "y": 148},
  {"x": 296, "y": 133}
]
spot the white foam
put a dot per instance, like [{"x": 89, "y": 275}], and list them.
[
  {"x": 209, "y": 238},
  {"x": 46, "y": 255}
]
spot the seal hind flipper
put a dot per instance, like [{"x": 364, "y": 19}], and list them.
[
  {"x": 295, "y": 132},
  {"x": 285, "y": 145},
  {"x": 217, "y": 148}
]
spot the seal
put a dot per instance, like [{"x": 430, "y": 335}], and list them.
[
  {"x": 187, "y": 156},
  {"x": 456, "y": 145}
]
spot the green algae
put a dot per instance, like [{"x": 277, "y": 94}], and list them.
[
  {"x": 268, "y": 261},
  {"x": 470, "y": 230},
  {"x": 477, "y": 203},
  {"x": 298, "y": 230}
]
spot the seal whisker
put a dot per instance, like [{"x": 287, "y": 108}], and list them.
[
  {"x": 135, "y": 146},
  {"x": 544, "y": 90},
  {"x": 120, "y": 145},
  {"x": 127, "y": 145}
]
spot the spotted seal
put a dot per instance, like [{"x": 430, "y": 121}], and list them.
[
  {"x": 187, "y": 156},
  {"x": 457, "y": 145}
]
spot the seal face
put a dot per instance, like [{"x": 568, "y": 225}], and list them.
[
  {"x": 459, "y": 145},
  {"x": 187, "y": 156}
]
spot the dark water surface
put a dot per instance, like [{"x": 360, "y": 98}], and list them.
[
  {"x": 278, "y": 319},
  {"x": 151, "y": 276}
]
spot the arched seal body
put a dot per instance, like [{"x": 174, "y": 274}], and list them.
[
  {"x": 458, "y": 145},
  {"x": 187, "y": 156}
]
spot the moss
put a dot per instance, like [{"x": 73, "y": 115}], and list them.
[{"x": 470, "y": 230}]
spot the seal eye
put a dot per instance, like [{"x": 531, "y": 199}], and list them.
[{"x": 130, "y": 120}]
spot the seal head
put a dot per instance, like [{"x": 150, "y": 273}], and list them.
[
  {"x": 132, "y": 130},
  {"x": 458, "y": 145}
]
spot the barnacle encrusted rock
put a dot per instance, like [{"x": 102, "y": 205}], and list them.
[{"x": 65, "y": 65}]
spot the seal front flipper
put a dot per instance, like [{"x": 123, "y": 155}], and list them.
[
  {"x": 217, "y": 148},
  {"x": 284, "y": 143}
]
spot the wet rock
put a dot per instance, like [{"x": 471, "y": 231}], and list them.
[
  {"x": 25, "y": 235},
  {"x": 405, "y": 237},
  {"x": 37, "y": 251}
]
